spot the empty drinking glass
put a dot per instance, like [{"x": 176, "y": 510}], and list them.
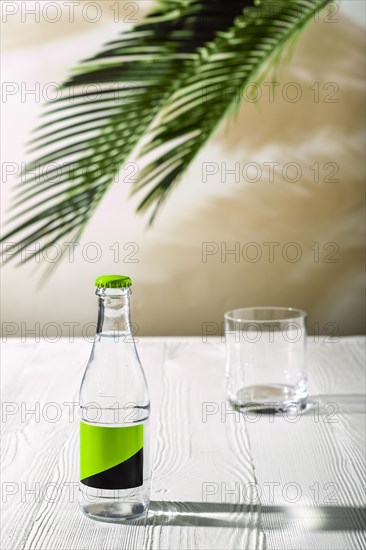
[{"x": 265, "y": 357}]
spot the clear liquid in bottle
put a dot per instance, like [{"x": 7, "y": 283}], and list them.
[{"x": 114, "y": 414}]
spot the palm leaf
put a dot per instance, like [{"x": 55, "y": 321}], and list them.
[
  {"x": 157, "y": 68},
  {"x": 223, "y": 67},
  {"x": 135, "y": 75}
]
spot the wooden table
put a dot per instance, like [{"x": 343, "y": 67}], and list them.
[{"x": 220, "y": 479}]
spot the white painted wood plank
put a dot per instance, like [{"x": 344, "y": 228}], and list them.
[
  {"x": 315, "y": 464},
  {"x": 31, "y": 441},
  {"x": 323, "y": 455},
  {"x": 187, "y": 454},
  {"x": 232, "y": 456},
  {"x": 60, "y": 524},
  {"x": 193, "y": 453},
  {"x": 337, "y": 368}
]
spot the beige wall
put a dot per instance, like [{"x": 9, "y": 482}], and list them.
[{"x": 175, "y": 291}]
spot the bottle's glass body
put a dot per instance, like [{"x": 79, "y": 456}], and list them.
[{"x": 114, "y": 418}]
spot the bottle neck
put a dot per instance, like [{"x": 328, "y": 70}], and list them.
[{"x": 114, "y": 311}]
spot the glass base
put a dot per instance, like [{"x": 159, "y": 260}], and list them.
[
  {"x": 269, "y": 398},
  {"x": 114, "y": 506},
  {"x": 116, "y": 512}
]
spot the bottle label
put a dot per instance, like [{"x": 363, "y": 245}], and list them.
[{"x": 111, "y": 457}]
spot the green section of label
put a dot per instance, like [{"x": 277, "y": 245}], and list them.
[{"x": 102, "y": 447}]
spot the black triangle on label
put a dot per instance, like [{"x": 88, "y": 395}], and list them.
[{"x": 126, "y": 475}]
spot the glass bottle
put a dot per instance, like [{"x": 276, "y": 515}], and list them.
[{"x": 114, "y": 414}]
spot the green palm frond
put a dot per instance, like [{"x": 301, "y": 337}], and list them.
[
  {"x": 135, "y": 75},
  {"x": 158, "y": 71},
  {"x": 223, "y": 68}
]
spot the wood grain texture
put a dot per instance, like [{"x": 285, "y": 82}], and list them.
[
  {"x": 213, "y": 469},
  {"x": 319, "y": 457}
]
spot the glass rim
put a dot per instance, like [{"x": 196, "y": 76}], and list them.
[{"x": 232, "y": 314}]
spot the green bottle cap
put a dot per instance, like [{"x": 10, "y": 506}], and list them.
[{"x": 113, "y": 281}]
